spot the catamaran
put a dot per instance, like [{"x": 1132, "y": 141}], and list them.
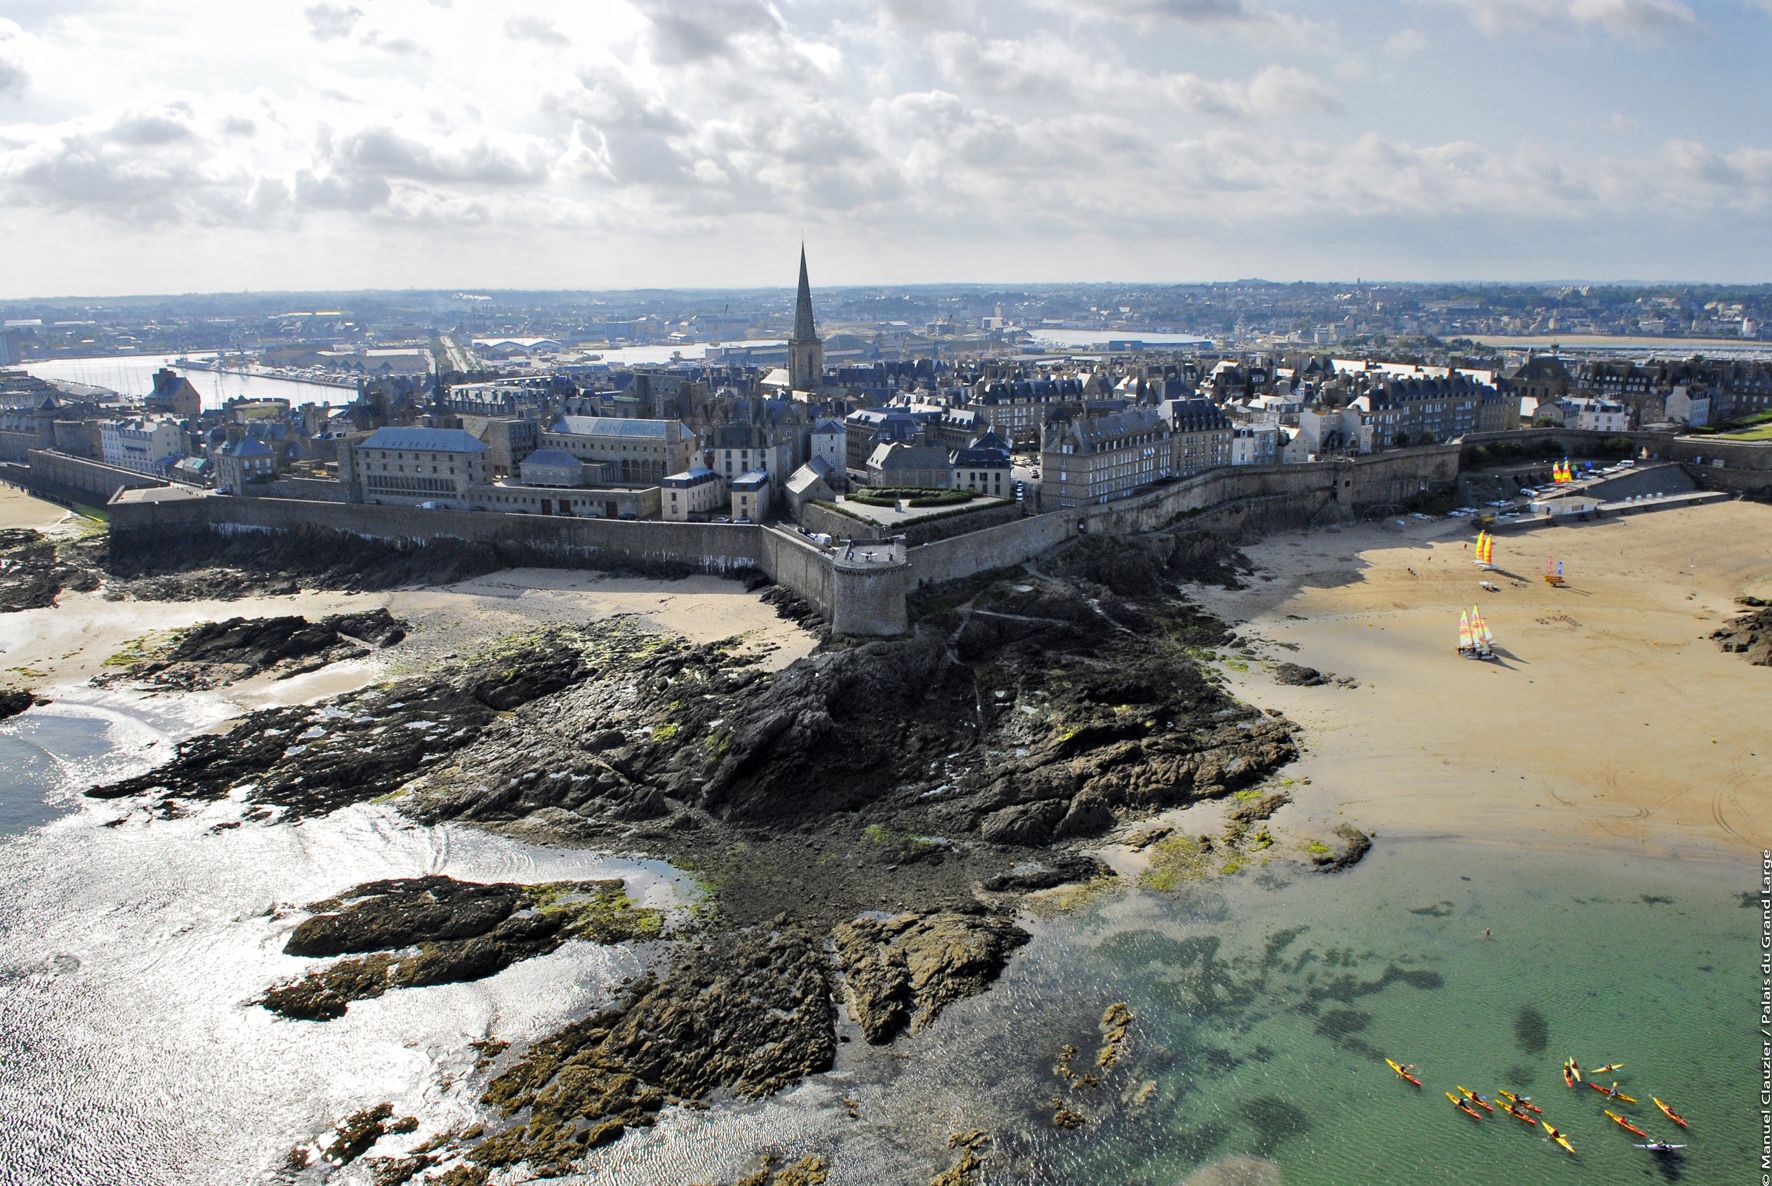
[
  {"x": 1485, "y": 550},
  {"x": 1475, "y": 641},
  {"x": 1553, "y": 572}
]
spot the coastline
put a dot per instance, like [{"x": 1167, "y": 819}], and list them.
[{"x": 1611, "y": 723}]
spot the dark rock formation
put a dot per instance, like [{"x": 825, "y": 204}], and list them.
[
  {"x": 1052, "y": 869},
  {"x": 1749, "y": 635},
  {"x": 901, "y": 972},
  {"x": 436, "y": 930},
  {"x": 215, "y": 654},
  {"x": 361, "y": 1130},
  {"x": 33, "y": 573},
  {"x": 14, "y": 701},
  {"x": 747, "y": 1011},
  {"x": 1354, "y": 845},
  {"x": 313, "y": 759},
  {"x": 1297, "y": 676}
]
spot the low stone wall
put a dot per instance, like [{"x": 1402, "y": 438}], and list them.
[{"x": 66, "y": 478}]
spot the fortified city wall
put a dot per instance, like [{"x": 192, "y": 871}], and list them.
[{"x": 857, "y": 597}]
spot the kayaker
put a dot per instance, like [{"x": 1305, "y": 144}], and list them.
[{"x": 1487, "y": 934}]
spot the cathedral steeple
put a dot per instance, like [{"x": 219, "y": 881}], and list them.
[
  {"x": 803, "y": 328},
  {"x": 805, "y": 351}
]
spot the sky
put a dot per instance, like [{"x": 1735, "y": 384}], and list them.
[{"x": 213, "y": 145}]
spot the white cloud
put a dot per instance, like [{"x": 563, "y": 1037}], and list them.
[
  {"x": 1629, "y": 19},
  {"x": 534, "y": 28},
  {"x": 330, "y": 22},
  {"x": 966, "y": 136},
  {"x": 13, "y": 75}
]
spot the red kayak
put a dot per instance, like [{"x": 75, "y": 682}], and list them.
[{"x": 1626, "y": 1125}]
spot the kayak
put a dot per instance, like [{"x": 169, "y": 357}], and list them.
[
  {"x": 1660, "y": 1147},
  {"x": 1571, "y": 1073},
  {"x": 1474, "y": 1098},
  {"x": 1626, "y": 1125},
  {"x": 1517, "y": 1114},
  {"x": 1559, "y": 1138},
  {"x": 1609, "y": 1067},
  {"x": 1671, "y": 1114},
  {"x": 1464, "y": 1107},
  {"x": 1612, "y": 1093},
  {"x": 1401, "y": 1073},
  {"x": 1522, "y": 1100}
]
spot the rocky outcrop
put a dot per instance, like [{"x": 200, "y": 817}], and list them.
[
  {"x": 1351, "y": 846},
  {"x": 33, "y": 572},
  {"x": 1298, "y": 676},
  {"x": 1749, "y": 636},
  {"x": 311, "y": 759},
  {"x": 436, "y": 930},
  {"x": 899, "y": 973},
  {"x": 215, "y": 654},
  {"x": 14, "y": 701},
  {"x": 747, "y": 1011}
]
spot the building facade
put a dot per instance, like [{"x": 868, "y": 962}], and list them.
[
  {"x": 1088, "y": 462},
  {"x": 642, "y": 451},
  {"x": 413, "y": 466}
]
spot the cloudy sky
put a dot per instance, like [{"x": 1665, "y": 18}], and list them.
[{"x": 194, "y": 145}]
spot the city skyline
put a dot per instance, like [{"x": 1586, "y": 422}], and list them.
[{"x": 403, "y": 144}]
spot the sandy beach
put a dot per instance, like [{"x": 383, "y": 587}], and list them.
[
  {"x": 1611, "y": 721},
  {"x": 18, "y": 509},
  {"x": 58, "y": 648}
]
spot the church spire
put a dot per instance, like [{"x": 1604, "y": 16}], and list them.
[
  {"x": 805, "y": 351},
  {"x": 803, "y": 328}
]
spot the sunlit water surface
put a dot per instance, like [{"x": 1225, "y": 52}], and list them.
[{"x": 129, "y": 1052}]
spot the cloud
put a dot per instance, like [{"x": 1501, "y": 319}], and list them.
[
  {"x": 330, "y": 22},
  {"x": 1626, "y": 19},
  {"x": 404, "y": 47},
  {"x": 152, "y": 129},
  {"x": 1405, "y": 43},
  {"x": 681, "y": 34},
  {"x": 1190, "y": 12},
  {"x": 384, "y": 152},
  {"x": 13, "y": 75},
  {"x": 1275, "y": 92},
  {"x": 535, "y": 28}
]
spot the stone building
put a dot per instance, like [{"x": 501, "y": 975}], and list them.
[
  {"x": 642, "y": 451},
  {"x": 1200, "y": 435},
  {"x": 1087, "y": 462},
  {"x": 411, "y": 466}
]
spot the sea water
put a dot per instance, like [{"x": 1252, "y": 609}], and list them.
[
  {"x": 1264, "y": 1004},
  {"x": 131, "y": 949}
]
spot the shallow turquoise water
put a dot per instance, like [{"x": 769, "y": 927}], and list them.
[{"x": 1265, "y": 1005}]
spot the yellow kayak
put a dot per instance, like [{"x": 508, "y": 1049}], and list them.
[{"x": 1559, "y": 1138}]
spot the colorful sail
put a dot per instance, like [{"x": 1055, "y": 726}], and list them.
[{"x": 1465, "y": 641}]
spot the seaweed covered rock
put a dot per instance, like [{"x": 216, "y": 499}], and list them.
[
  {"x": 901, "y": 972},
  {"x": 411, "y": 932},
  {"x": 316, "y": 758},
  {"x": 215, "y": 654},
  {"x": 747, "y": 1011},
  {"x": 1350, "y": 847}
]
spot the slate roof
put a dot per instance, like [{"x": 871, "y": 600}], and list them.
[{"x": 431, "y": 440}]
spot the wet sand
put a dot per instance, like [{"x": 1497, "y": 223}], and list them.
[
  {"x": 1610, "y": 722},
  {"x": 18, "y": 509}
]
